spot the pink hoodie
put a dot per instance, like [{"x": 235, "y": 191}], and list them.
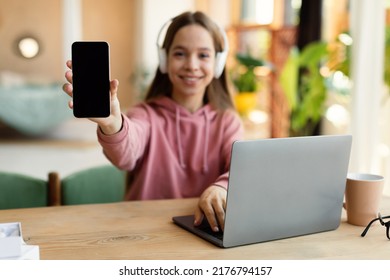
[{"x": 171, "y": 152}]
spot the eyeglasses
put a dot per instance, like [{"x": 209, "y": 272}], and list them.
[{"x": 383, "y": 223}]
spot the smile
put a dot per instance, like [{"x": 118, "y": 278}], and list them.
[{"x": 190, "y": 79}]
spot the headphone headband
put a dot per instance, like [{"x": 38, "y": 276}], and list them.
[{"x": 220, "y": 58}]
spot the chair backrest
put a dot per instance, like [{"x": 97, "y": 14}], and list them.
[
  {"x": 102, "y": 184},
  {"x": 23, "y": 191}
]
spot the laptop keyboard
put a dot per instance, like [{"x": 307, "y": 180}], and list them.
[{"x": 205, "y": 227}]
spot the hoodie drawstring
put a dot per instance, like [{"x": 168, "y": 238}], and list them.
[
  {"x": 206, "y": 148},
  {"x": 205, "y": 166},
  {"x": 180, "y": 148}
]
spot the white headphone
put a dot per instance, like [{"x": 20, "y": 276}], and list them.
[{"x": 220, "y": 58}]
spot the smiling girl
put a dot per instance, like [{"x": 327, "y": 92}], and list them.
[{"x": 178, "y": 142}]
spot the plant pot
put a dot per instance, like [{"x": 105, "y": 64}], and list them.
[{"x": 245, "y": 102}]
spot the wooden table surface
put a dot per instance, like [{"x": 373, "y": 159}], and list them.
[{"x": 144, "y": 230}]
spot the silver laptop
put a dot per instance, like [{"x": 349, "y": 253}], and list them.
[{"x": 280, "y": 188}]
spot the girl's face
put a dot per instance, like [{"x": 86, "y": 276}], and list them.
[{"x": 191, "y": 61}]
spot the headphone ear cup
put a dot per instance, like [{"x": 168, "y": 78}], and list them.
[
  {"x": 220, "y": 60},
  {"x": 162, "y": 57}
]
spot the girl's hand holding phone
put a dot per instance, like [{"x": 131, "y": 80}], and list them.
[{"x": 109, "y": 125}]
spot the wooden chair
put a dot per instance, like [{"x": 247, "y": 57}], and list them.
[
  {"x": 22, "y": 191},
  {"x": 101, "y": 184}
]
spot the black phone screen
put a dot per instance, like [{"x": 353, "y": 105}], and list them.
[{"x": 91, "y": 79}]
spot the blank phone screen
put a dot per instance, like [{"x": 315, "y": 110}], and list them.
[{"x": 91, "y": 79}]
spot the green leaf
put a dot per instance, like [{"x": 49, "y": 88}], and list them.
[
  {"x": 249, "y": 61},
  {"x": 387, "y": 58},
  {"x": 289, "y": 78},
  {"x": 313, "y": 53},
  {"x": 304, "y": 87}
]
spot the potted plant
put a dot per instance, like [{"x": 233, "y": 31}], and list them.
[
  {"x": 246, "y": 82},
  {"x": 305, "y": 87}
]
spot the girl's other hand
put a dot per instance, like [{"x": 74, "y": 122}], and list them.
[{"x": 212, "y": 204}]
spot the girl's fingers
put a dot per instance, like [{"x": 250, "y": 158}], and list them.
[
  {"x": 69, "y": 76},
  {"x": 69, "y": 64},
  {"x": 68, "y": 89},
  {"x": 70, "y": 104}
]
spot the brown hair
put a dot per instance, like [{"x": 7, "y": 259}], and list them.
[{"x": 217, "y": 92}]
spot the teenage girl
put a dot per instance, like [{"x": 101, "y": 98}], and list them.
[{"x": 177, "y": 143}]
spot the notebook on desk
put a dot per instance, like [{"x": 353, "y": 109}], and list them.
[{"x": 280, "y": 188}]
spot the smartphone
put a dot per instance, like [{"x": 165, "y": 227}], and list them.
[{"x": 91, "y": 79}]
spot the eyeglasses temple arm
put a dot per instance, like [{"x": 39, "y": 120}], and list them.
[{"x": 368, "y": 227}]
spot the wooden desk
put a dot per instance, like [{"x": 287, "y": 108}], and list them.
[{"x": 144, "y": 230}]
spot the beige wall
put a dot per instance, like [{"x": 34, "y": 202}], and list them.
[
  {"x": 114, "y": 21},
  {"x": 40, "y": 18},
  {"x": 109, "y": 20}
]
